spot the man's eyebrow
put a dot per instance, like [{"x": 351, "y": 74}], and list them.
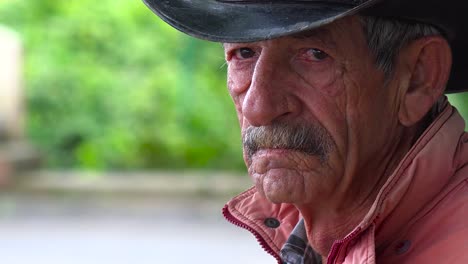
[
  {"x": 321, "y": 34},
  {"x": 225, "y": 44}
]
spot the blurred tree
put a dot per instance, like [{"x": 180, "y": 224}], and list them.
[
  {"x": 110, "y": 86},
  {"x": 460, "y": 101}
]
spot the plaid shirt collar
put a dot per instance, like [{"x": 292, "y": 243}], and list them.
[{"x": 297, "y": 250}]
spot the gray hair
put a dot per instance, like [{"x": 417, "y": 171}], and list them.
[{"x": 386, "y": 37}]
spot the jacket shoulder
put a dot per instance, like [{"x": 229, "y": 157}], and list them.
[{"x": 440, "y": 232}]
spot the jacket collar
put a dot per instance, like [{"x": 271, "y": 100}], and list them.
[{"x": 421, "y": 175}]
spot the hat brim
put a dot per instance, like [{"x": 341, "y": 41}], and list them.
[
  {"x": 247, "y": 22},
  {"x": 241, "y": 21}
]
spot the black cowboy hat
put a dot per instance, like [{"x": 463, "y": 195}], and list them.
[{"x": 255, "y": 20}]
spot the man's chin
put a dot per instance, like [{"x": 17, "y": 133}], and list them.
[
  {"x": 280, "y": 185},
  {"x": 277, "y": 198}
]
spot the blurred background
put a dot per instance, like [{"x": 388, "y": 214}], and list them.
[{"x": 118, "y": 140}]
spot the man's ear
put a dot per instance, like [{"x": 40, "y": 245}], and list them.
[{"x": 430, "y": 60}]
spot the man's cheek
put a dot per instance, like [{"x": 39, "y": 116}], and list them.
[
  {"x": 323, "y": 80},
  {"x": 239, "y": 81}
]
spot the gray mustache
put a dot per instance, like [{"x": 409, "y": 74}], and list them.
[{"x": 310, "y": 139}]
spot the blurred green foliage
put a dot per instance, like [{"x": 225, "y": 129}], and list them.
[
  {"x": 460, "y": 101},
  {"x": 110, "y": 86}
]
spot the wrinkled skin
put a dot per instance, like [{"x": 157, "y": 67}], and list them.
[{"x": 327, "y": 78}]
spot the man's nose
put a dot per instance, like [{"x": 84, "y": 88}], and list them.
[{"x": 269, "y": 97}]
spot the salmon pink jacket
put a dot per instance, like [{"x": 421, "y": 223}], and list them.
[{"x": 420, "y": 214}]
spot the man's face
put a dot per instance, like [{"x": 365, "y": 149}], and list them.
[{"x": 313, "y": 109}]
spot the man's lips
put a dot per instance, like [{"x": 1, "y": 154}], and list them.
[
  {"x": 267, "y": 159},
  {"x": 271, "y": 159}
]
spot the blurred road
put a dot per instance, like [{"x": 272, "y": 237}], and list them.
[{"x": 92, "y": 229}]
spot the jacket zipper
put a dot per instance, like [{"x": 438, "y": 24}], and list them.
[
  {"x": 233, "y": 220},
  {"x": 335, "y": 250}
]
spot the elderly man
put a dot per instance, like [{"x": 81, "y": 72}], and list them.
[{"x": 356, "y": 155}]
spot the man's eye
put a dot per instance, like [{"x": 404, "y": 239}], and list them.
[
  {"x": 317, "y": 55},
  {"x": 244, "y": 53}
]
